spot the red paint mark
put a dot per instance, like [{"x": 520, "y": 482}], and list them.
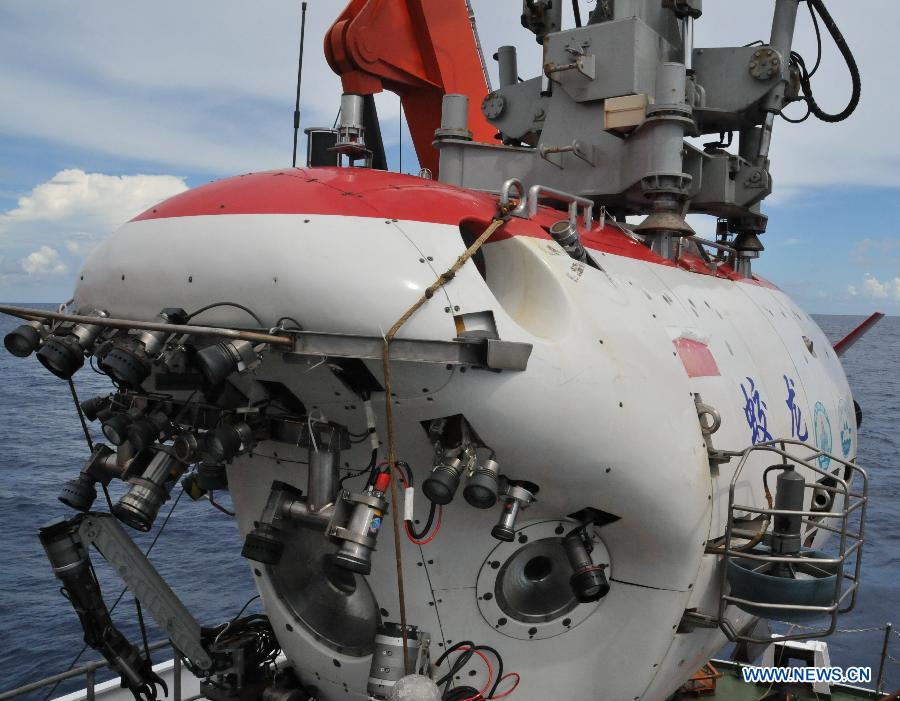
[{"x": 696, "y": 357}]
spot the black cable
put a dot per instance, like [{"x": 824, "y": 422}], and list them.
[
  {"x": 840, "y": 42},
  {"x": 227, "y": 304},
  {"x": 419, "y": 535},
  {"x": 407, "y": 471},
  {"x": 279, "y": 459},
  {"x": 140, "y": 616},
  {"x": 373, "y": 468},
  {"x": 106, "y": 494},
  {"x": 84, "y": 426},
  {"x": 227, "y": 625},
  {"x": 463, "y": 660},
  {"x": 577, "y": 11},
  {"x": 460, "y": 662},
  {"x": 87, "y": 434},
  {"x": 496, "y": 654},
  {"x": 290, "y": 318},
  {"x": 252, "y": 598},
  {"x": 815, "y": 23},
  {"x": 94, "y": 367},
  {"x": 449, "y": 651},
  {"x": 368, "y": 468},
  {"x": 800, "y": 119}
]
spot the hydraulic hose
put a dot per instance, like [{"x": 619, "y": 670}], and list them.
[{"x": 841, "y": 43}]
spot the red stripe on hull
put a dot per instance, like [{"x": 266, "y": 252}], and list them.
[{"x": 359, "y": 192}]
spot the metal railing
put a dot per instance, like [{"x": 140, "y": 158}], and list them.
[
  {"x": 89, "y": 672},
  {"x": 851, "y": 502}
]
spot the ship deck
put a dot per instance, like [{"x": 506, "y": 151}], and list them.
[
  {"x": 730, "y": 686},
  {"x": 184, "y": 686}
]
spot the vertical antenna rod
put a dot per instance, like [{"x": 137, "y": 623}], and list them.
[
  {"x": 484, "y": 69},
  {"x": 299, "y": 77}
]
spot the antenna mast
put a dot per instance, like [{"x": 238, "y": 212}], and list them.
[{"x": 299, "y": 78}]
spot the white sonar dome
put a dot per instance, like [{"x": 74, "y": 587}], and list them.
[{"x": 415, "y": 687}]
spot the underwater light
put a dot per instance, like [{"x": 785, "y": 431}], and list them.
[
  {"x": 63, "y": 353},
  {"x": 24, "y": 340},
  {"x": 130, "y": 360},
  {"x": 219, "y": 360}
]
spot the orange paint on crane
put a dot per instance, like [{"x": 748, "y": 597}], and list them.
[{"x": 419, "y": 49}]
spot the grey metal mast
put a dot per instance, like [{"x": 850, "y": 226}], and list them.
[{"x": 608, "y": 118}]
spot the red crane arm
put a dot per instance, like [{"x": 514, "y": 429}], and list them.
[{"x": 418, "y": 49}]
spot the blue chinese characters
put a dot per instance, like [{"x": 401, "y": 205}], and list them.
[{"x": 755, "y": 412}]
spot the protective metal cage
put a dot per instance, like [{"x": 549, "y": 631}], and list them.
[{"x": 839, "y": 483}]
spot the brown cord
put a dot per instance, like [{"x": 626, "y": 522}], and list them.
[{"x": 442, "y": 280}]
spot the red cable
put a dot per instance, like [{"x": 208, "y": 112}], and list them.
[
  {"x": 487, "y": 685},
  {"x": 426, "y": 541},
  {"x": 511, "y": 689}
]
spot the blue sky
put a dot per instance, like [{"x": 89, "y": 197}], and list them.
[{"x": 110, "y": 107}]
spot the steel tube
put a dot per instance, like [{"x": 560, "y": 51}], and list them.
[
  {"x": 176, "y": 677},
  {"x": 90, "y": 679},
  {"x": 780, "y": 607},
  {"x": 783, "y": 21},
  {"x": 879, "y": 683},
  {"x": 508, "y": 66},
  {"x": 39, "y": 314}
]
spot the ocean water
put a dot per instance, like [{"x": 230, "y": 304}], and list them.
[{"x": 42, "y": 445}]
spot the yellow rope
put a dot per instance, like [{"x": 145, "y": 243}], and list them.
[{"x": 442, "y": 280}]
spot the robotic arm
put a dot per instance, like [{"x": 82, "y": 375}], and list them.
[
  {"x": 418, "y": 49},
  {"x": 207, "y": 651},
  {"x": 66, "y": 549}
]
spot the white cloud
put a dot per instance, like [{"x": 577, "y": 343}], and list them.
[
  {"x": 882, "y": 252},
  {"x": 53, "y": 227},
  {"x": 851, "y": 290},
  {"x": 874, "y": 288},
  {"x": 103, "y": 200},
  {"x": 44, "y": 261}
]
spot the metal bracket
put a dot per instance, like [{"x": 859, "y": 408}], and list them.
[
  {"x": 535, "y": 192},
  {"x": 490, "y": 353},
  {"x": 585, "y": 151},
  {"x": 692, "y": 619},
  {"x": 585, "y": 64},
  {"x": 105, "y": 533}
]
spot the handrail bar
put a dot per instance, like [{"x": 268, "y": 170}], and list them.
[{"x": 86, "y": 669}]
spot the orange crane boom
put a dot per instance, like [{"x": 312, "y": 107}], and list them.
[{"x": 419, "y": 49}]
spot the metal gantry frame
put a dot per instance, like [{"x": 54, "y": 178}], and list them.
[{"x": 853, "y": 501}]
